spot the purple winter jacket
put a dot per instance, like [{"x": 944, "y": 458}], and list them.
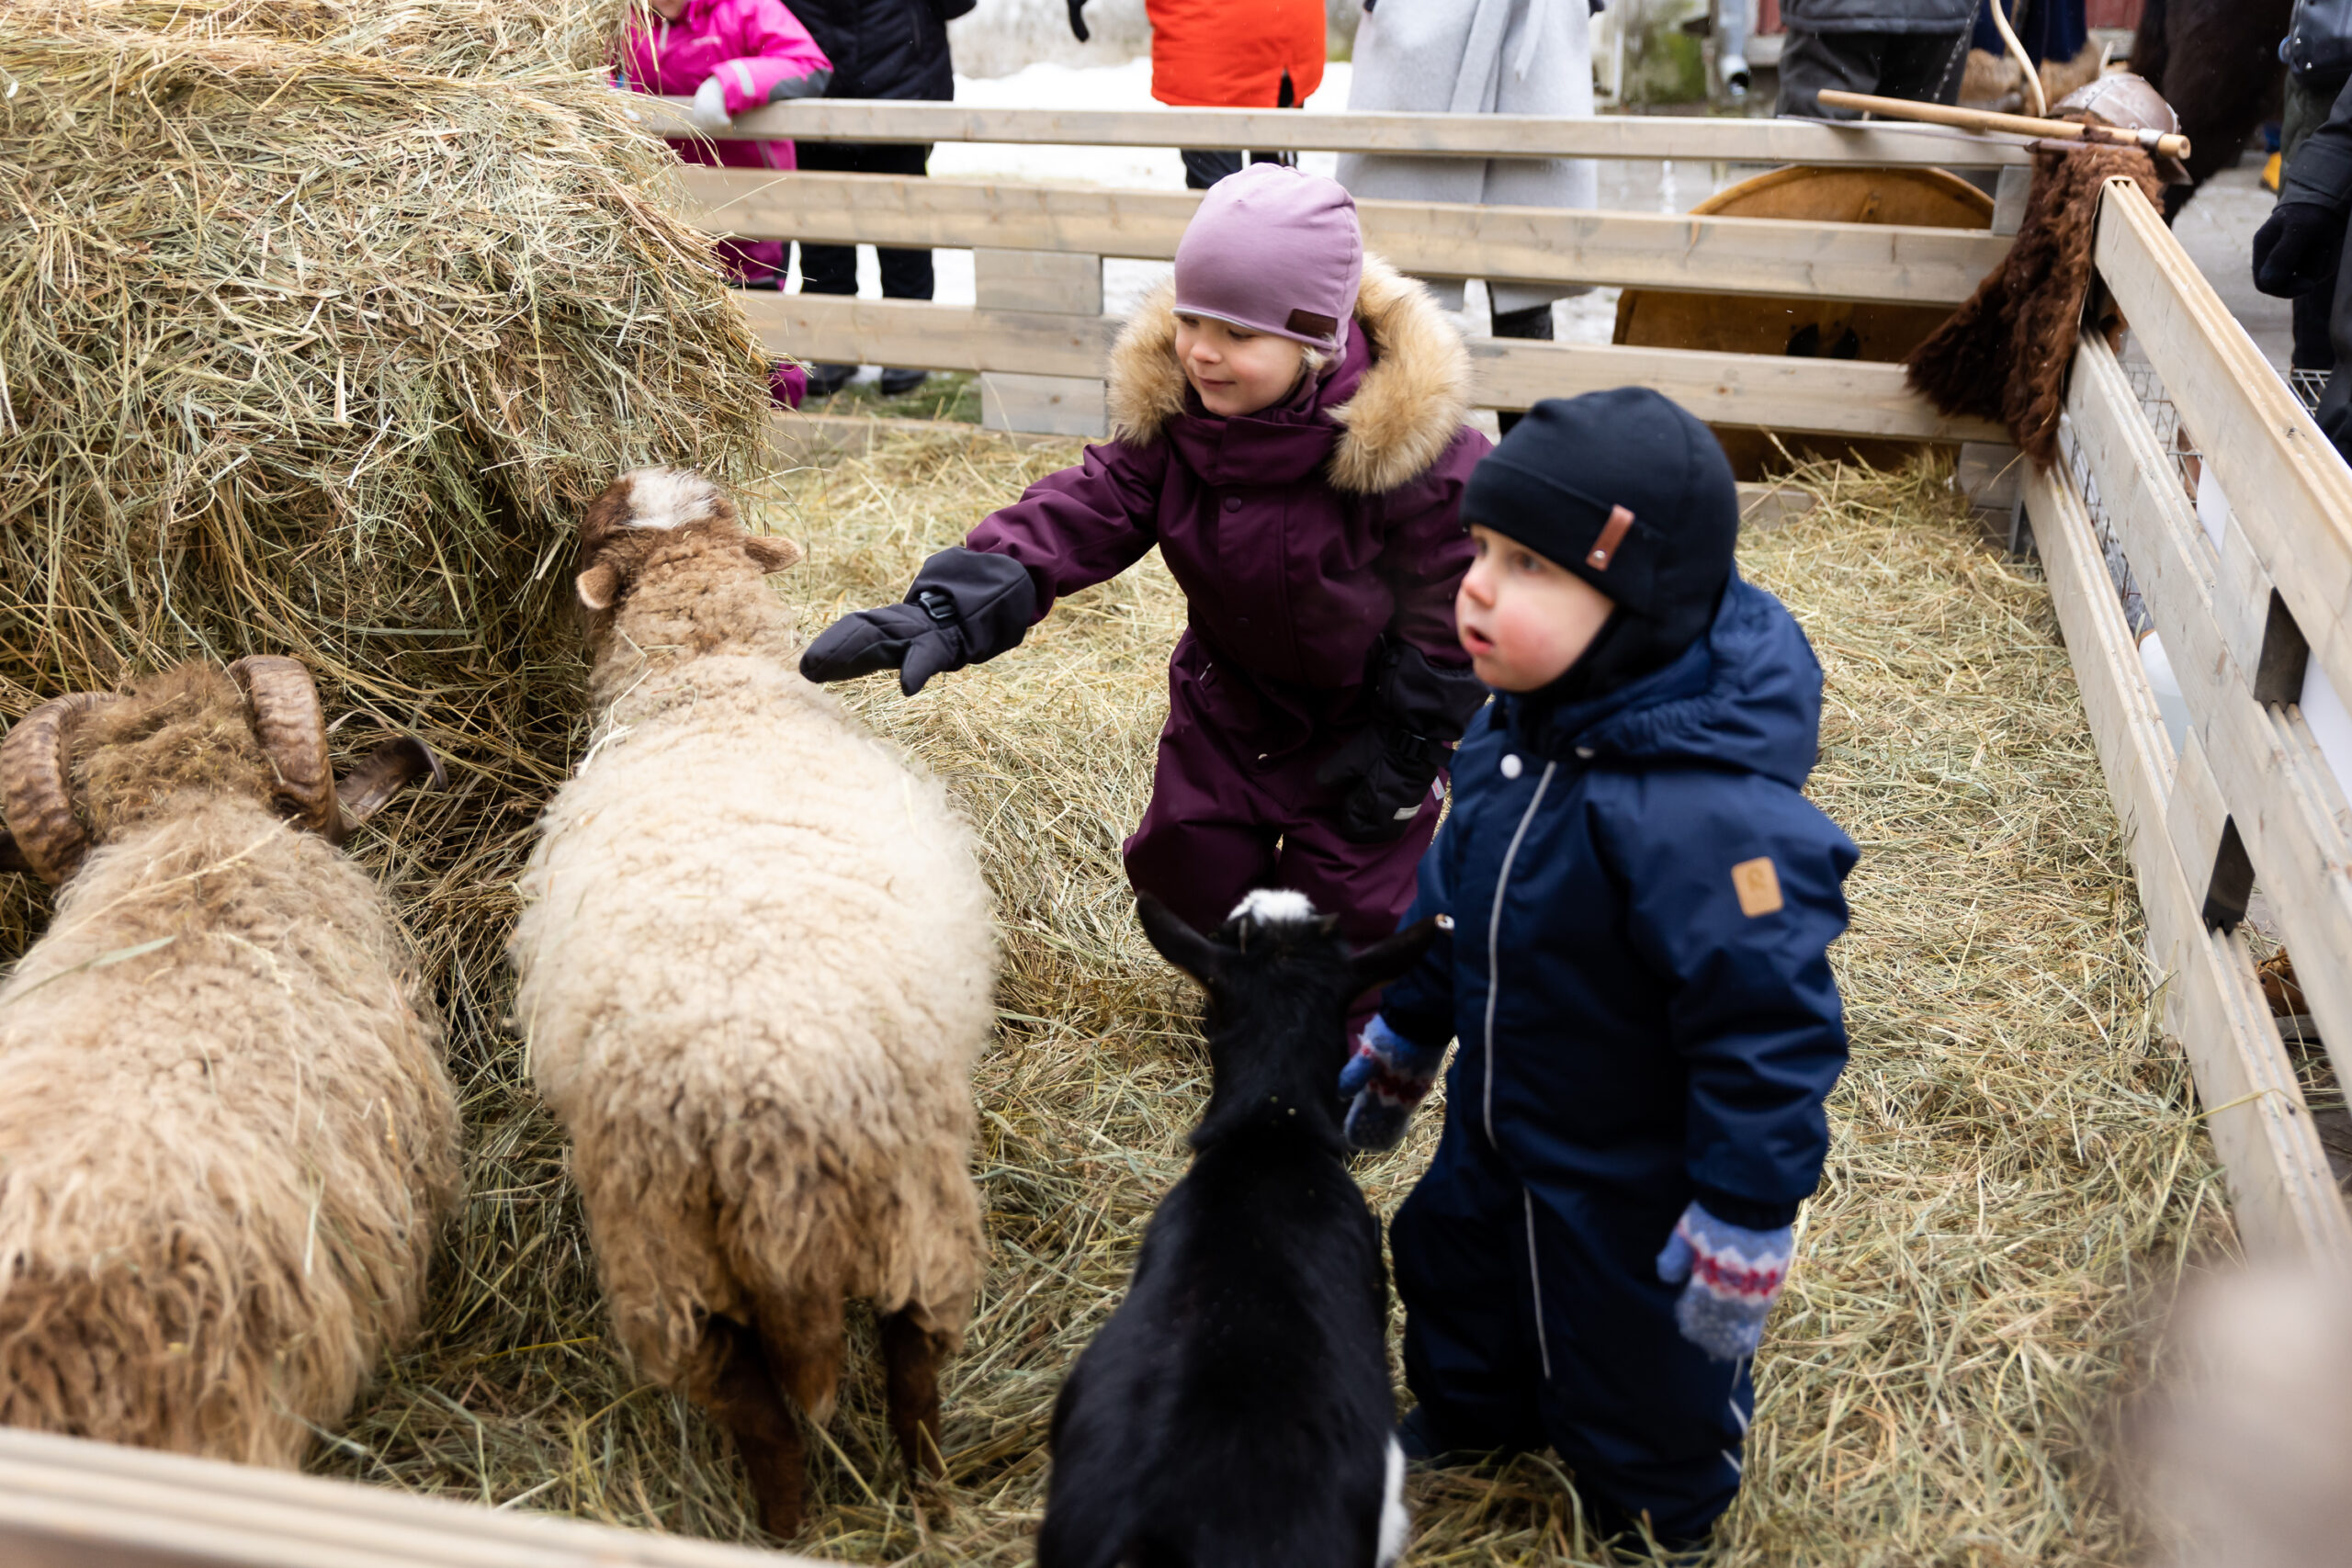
[{"x": 1303, "y": 535}]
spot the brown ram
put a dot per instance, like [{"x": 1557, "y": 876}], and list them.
[{"x": 226, "y": 1136}]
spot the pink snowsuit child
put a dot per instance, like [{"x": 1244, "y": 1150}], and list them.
[{"x": 730, "y": 55}]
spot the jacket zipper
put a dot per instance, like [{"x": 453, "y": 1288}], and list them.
[{"x": 1494, "y": 936}]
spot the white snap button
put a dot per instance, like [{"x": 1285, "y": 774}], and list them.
[
  {"x": 1585, "y": 752},
  {"x": 1511, "y": 765}
]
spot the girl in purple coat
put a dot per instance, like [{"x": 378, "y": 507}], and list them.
[
  {"x": 1286, "y": 426},
  {"x": 728, "y": 56}
]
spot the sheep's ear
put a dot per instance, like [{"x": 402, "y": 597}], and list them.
[
  {"x": 383, "y": 774},
  {"x": 772, "y": 552},
  {"x": 1389, "y": 958},
  {"x": 12, "y": 858},
  {"x": 1178, "y": 944},
  {"x": 599, "y": 586}
]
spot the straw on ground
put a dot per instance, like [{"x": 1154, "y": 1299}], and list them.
[{"x": 2016, "y": 1173}]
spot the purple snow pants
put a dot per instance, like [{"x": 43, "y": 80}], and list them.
[{"x": 1223, "y": 820}]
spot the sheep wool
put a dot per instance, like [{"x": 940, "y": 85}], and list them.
[
  {"x": 757, "y": 965},
  {"x": 226, "y": 1136}
]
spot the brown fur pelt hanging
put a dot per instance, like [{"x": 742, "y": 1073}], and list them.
[{"x": 2004, "y": 354}]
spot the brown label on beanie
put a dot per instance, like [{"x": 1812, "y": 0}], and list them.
[
  {"x": 1309, "y": 324},
  {"x": 1612, "y": 534}
]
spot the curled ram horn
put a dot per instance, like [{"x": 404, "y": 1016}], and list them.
[
  {"x": 36, "y": 791},
  {"x": 284, "y": 707}
]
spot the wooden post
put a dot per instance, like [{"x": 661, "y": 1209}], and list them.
[{"x": 1051, "y": 282}]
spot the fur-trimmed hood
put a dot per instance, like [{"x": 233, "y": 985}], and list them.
[{"x": 1398, "y": 394}]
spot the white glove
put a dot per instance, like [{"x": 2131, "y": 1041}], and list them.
[{"x": 711, "y": 105}]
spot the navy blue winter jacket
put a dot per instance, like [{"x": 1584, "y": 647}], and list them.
[{"x": 1642, "y": 901}]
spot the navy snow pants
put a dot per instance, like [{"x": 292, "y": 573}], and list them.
[{"x": 1536, "y": 1318}]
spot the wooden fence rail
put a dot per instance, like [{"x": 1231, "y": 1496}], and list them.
[
  {"x": 2246, "y": 795},
  {"x": 1837, "y": 396},
  {"x": 65, "y": 1503},
  {"x": 1875, "y": 262},
  {"x": 1876, "y": 144}
]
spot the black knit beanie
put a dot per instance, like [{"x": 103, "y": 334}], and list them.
[{"x": 1632, "y": 493}]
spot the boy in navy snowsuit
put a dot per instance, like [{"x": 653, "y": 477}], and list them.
[{"x": 1637, "y": 902}]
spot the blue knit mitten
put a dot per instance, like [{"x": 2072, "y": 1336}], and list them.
[
  {"x": 1734, "y": 1277},
  {"x": 1387, "y": 1077}
]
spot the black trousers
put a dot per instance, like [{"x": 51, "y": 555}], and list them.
[
  {"x": 832, "y": 269},
  {"x": 1205, "y": 166},
  {"x": 1923, "y": 67}
]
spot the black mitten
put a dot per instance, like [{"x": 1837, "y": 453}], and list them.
[
  {"x": 1390, "y": 772},
  {"x": 1420, "y": 709},
  {"x": 2293, "y": 249},
  {"x": 1077, "y": 21},
  {"x": 966, "y": 607}
]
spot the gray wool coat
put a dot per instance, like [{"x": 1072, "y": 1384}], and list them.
[{"x": 1476, "y": 57}]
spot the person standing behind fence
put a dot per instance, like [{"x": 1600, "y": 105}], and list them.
[
  {"x": 1245, "y": 55},
  {"x": 2318, "y": 52},
  {"x": 1477, "y": 57},
  {"x": 728, "y": 56},
  {"x": 1897, "y": 49},
  {"x": 2302, "y": 248},
  {"x": 880, "y": 49}
]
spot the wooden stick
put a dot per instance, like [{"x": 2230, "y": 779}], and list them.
[{"x": 2164, "y": 144}]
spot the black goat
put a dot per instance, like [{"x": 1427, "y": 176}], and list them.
[{"x": 1236, "y": 1410}]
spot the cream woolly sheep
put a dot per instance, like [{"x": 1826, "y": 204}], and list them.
[
  {"x": 757, "y": 961},
  {"x": 225, "y": 1133}
]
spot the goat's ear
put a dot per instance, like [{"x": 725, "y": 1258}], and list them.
[
  {"x": 772, "y": 552},
  {"x": 1178, "y": 944},
  {"x": 12, "y": 858},
  {"x": 1388, "y": 958},
  {"x": 599, "y": 586}
]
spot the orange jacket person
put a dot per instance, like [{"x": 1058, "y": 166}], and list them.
[{"x": 1248, "y": 54}]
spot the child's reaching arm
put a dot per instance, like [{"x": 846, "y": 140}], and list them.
[
  {"x": 777, "y": 61},
  {"x": 974, "y": 601}
]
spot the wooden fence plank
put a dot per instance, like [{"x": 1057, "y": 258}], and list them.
[
  {"x": 65, "y": 1503},
  {"x": 1730, "y": 256},
  {"x": 2291, "y": 491},
  {"x": 2281, "y": 1191},
  {"x": 2269, "y": 775},
  {"x": 1830, "y": 397},
  {"x": 1471, "y": 136},
  {"x": 1834, "y": 397}
]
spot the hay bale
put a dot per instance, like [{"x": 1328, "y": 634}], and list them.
[{"x": 324, "y": 318}]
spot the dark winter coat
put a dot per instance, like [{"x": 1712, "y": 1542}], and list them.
[
  {"x": 2321, "y": 177},
  {"x": 1304, "y": 536},
  {"x": 2322, "y": 172},
  {"x": 1877, "y": 15},
  {"x": 884, "y": 49},
  {"x": 1642, "y": 901}
]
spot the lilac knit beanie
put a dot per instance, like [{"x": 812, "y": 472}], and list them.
[{"x": 1273, "y": 250}]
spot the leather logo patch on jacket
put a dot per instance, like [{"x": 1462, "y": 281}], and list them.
[{"x": 1759, "y": 887}]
